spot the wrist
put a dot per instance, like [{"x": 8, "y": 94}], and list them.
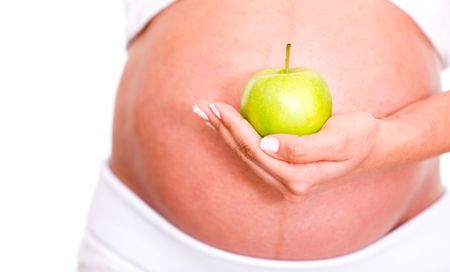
[
  {"x": 397, "y": 140},
  {"x": 381, "y": 155}
]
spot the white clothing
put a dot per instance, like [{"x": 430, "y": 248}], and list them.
[
  {"x": 432, "y": 16},
  {"x": 140, "y": 12},
  {"x": 124, "y": 234}
]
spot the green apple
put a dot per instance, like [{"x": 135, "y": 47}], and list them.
[{"x": 286, "y": 100}]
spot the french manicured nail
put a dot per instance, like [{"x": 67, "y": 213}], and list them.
[
  {"x": 215, "y": 110},
  {"x": 208, "y": 124},
  {"x": 200, "y": 113},
  {"x": 269, "y": 144}
]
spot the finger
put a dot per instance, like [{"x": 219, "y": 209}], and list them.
[
  {"x": 228, "y": 122},
  {"x": 231, "y": 125},
  {"x": 212, "y": 117},
  {"x": 326, "y": 145},
  {"x": 264, "y": 175},
  {"x": 287, "y": 193}
]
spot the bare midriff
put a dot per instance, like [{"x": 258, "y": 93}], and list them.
[{"x": 374, "y": 59}]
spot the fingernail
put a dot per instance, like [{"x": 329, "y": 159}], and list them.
[
  {"x": 269, "y": 144},
  {"x": 215, "y": 110},
  {"x": 200, "y": 113},
  {"x": 208, "y": 124}
]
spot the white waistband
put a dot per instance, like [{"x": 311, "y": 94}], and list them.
[{"x": 133, "y": 230}]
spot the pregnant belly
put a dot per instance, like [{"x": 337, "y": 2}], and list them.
[{"x": 373, "y": 58}]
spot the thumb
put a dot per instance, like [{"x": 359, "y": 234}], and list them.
[{"x": 321, "y": 146}]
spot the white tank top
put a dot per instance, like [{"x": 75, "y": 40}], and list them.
[{"x": 432, "y": 16}]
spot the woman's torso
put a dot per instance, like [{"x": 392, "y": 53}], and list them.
[{"x": 373, "y": 58}]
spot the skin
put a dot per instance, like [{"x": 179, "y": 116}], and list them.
[{"x": 319, "y": 196}]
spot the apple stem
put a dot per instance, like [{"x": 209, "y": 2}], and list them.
[{"x": 288, "y": 52}]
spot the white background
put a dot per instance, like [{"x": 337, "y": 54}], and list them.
[{"x": 60, "y": 63}]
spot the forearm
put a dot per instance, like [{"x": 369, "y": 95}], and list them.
[{"x": 418, "y": 131}]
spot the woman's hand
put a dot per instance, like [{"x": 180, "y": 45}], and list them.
[{"x": 347, "y": 145}]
